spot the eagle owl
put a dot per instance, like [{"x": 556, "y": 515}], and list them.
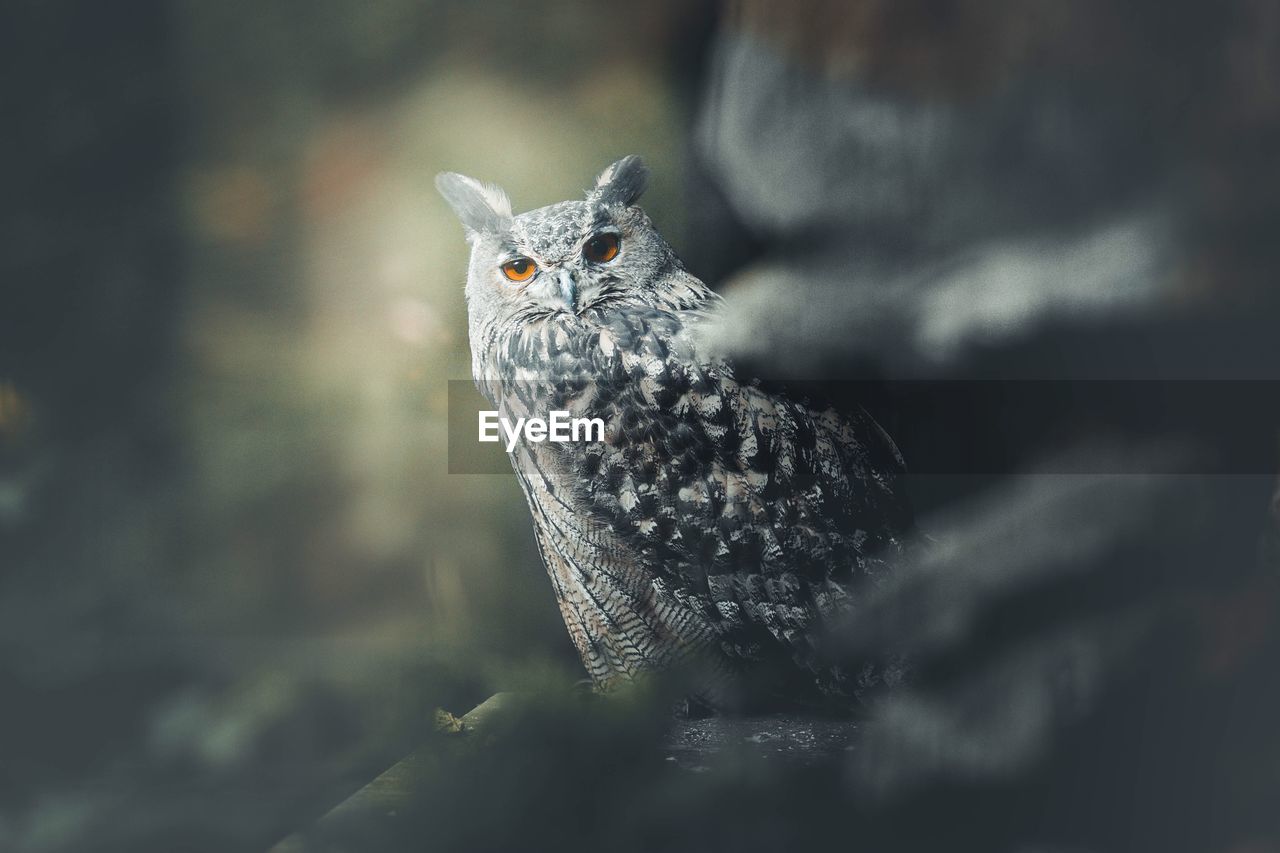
[{"x": 720, "y": 523}]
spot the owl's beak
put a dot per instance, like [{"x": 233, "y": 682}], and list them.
[{"x": 569, "y": 289}]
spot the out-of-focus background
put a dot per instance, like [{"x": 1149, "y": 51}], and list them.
[
  {"x": 236, "y": 576},
  {"x": 234, "y": 563}
]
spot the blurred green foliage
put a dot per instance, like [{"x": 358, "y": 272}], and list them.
[{"x": 237, "y": 573}]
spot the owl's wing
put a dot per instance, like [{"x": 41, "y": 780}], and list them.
[
  {"x": 764, "y": 509},
  {"x": 621, "y": 624}
]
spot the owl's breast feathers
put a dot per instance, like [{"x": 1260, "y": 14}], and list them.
[{"x": 714, "y": 515}]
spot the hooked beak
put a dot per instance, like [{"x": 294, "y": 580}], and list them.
[{"x": 568, "y": 289}]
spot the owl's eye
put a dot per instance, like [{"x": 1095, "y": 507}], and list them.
[
  {"x": 601, "y": 248},
  {"x": 519, "y": 269}
]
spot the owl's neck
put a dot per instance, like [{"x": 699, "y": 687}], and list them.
[{"x": 539, "y": 355}]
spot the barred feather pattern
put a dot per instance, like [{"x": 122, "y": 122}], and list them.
[{"x": 718, "y": 523}]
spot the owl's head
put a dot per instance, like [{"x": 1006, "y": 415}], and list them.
[{"x": 563, "y": 258}]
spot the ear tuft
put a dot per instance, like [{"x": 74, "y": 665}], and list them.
[
  {"x": 483, "y": 208},
  {"x": 622, "y": 183}
]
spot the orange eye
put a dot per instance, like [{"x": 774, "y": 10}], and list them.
[
  {"x": 519, "y": 269},
  {"x": 601, "y": 248}
]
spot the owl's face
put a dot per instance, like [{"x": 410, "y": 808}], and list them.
[{"x": 562, "y": 259}]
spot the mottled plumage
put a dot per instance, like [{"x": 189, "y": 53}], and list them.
[{"x": 719, "y": 524}]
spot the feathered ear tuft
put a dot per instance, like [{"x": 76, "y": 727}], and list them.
[
  {"x": 483, "y": 208},
  {"x": 622, "y": 183}
]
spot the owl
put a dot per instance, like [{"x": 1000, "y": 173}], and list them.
[{"x": 722, "y": 523}]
